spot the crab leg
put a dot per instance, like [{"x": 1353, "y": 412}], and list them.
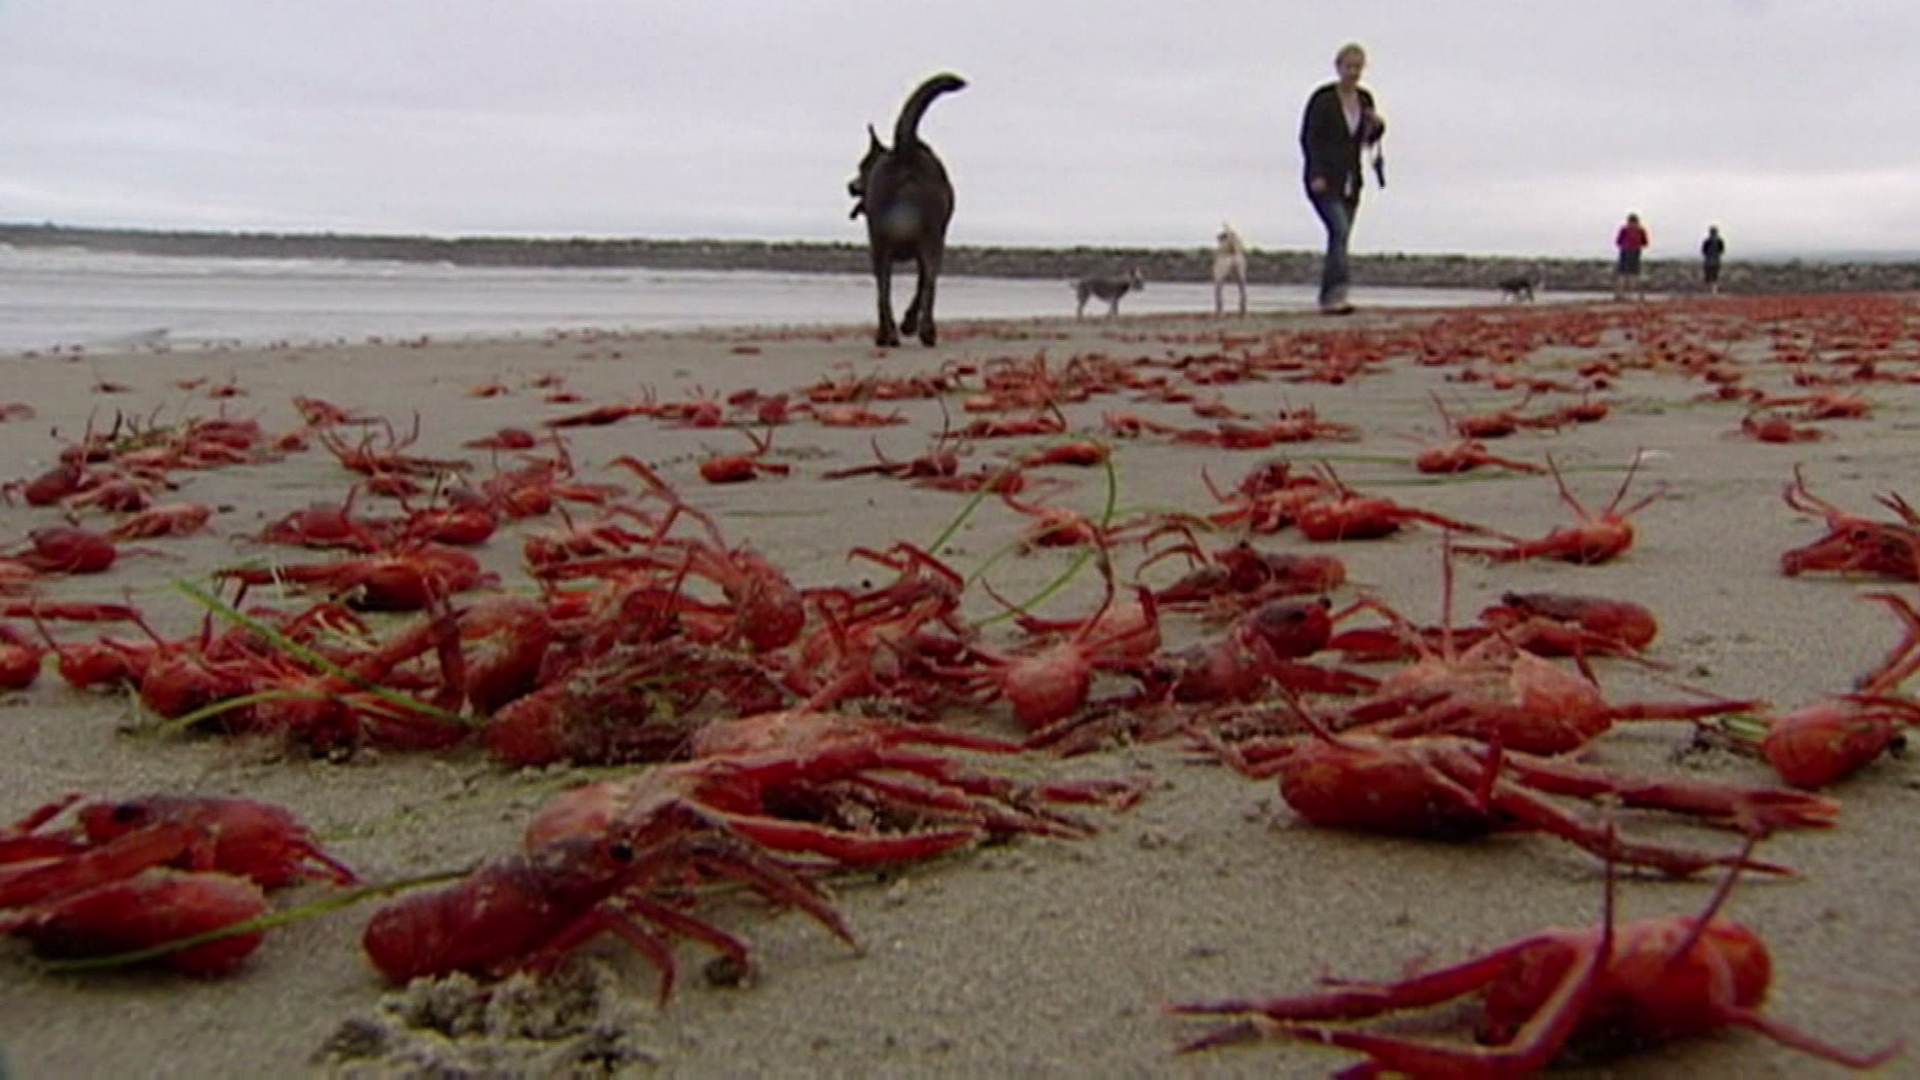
[
  {"x": 1532, "y": 1048},
  {"x": 40, "y": 879},
  {"x": 1676, "y": 710},
  {"x": 901, "y": 793},
  {"x": 1800, "y": 1040},
  {"x": 1755, "y": 810},
  {"x": 744, "y": 863},
  {"x": 599, "y": 921},
  {"x": 1903, "y": 659},
  {"x": 689, "y": 927},
  {"x": 18, "y": 844},
  {"x": 1537, "y": 813},
  {"x": 1352, "y": 1001},
  {"x": 847, "y": 847}
]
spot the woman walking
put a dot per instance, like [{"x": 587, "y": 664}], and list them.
[{"x": 1339, "y": 120}]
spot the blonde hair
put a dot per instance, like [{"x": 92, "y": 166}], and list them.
[{"x": 1351, "y": 48}]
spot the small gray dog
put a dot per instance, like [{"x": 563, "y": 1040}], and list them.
[
  {"x": 1518, "y": 288},
  {"x": 1110, "y": 289}
]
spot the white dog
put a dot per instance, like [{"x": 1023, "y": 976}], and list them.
[{"x": 1229, "y": 263}]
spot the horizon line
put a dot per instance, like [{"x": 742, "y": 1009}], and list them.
[{"x": 317, "y": 232}]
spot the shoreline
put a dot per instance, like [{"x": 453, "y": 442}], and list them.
[
  {"x": 1042, "y": 329},
  {"x": 70, "y": 300},
  {"x": 1156, "y": 264}
]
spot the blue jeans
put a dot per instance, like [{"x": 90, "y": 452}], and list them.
[{"x": 1337, "y": 213}]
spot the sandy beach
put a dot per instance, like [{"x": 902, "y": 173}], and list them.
[{"x": 1034, "y": 957}]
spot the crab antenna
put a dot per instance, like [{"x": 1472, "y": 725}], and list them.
[
  {"x": 1638, "y": 454},
  {"x": 1106, "y": 576},
  {"x": 1718, "y": 900},
  {"x": 1495, "y": 757},
  {"x": 1607, "y": 902},
  {"x": 1300, "y": 711}
]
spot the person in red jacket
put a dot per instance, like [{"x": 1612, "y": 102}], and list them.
[{"x": 1630, "y": 240}]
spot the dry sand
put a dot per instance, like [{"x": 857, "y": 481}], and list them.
[{"x": 1033, "y": 958}]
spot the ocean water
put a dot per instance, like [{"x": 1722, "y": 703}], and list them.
[{"x": 52, "y": 297}]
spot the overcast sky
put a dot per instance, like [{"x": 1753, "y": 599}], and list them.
[{"x": 1514, "y": 126}]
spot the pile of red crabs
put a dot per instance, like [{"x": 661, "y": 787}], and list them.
[{"x": 526, "y": 598}]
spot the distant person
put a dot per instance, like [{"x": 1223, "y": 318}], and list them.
[
  {"x": 1338, "y": 122},
  {"x": 1711, "y": 249},
  {"x": 1631, "y": 240}
]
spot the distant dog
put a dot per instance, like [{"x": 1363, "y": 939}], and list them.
[
  {"x": 908, "y": 201},
  {"x": 1229, "y": 264},
  {"x": 1110, "y": 289},
  {"x": 1518, "y": 288}
]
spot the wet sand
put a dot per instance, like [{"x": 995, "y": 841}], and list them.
[{"x": 1034, "y": 957}]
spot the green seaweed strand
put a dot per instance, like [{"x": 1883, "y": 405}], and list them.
[
  {"x": 301, "y": 652},
  {"x": 182, "y": 723},
  {"x": 1073, "y": 568},
  {"x": 967, "y": 508}
]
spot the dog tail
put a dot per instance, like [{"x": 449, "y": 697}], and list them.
[{"x": 906, "y": 130}]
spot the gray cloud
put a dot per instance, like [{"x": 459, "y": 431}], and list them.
[{"x": 1515, "y": 126}]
